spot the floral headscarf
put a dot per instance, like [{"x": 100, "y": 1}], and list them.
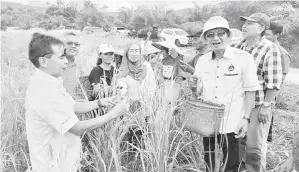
[{"x": 136, "y": 70}]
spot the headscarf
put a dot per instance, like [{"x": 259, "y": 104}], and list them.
[{"x": 136, "y": 70}]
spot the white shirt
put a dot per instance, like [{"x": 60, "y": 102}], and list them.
[
  {"x": 142, "y": 90},
  {"x": 225, "y": 82},
  {"x": 49, "y": 116}
]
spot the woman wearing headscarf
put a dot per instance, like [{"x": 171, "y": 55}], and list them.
[
  {"x": 141, "y": 85},
  {"x": 137, "y": 73}
]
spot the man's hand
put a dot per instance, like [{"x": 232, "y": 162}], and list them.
[
  {"x": 186, "y": 67},
  {"x": 173, "y": 52},
  {"x": 241, "y": 129},
  {"x": 120, "y": 107},
  {"x": 264, "y": 114},
  {"x": 287, "y": 166},
  {"x": 111, "y": 101}
]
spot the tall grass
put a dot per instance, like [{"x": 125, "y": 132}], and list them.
[{"x": 164, "y": 145}]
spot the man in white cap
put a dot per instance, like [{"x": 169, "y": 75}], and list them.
[
  {"x": 228, "y": 76},
  {"x": 269, "y": 70}
]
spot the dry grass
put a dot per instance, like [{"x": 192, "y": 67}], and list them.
[{"x": 163, "y": 149}]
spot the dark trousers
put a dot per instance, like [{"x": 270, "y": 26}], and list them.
[{"x": 231, "y": 150}]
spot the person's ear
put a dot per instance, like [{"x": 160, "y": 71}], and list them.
[
  {"x": 43, "y": 61},
  {"x": 262, "y": 28}
]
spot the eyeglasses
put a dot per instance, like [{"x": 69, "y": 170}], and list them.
[
  {"x": 73, "y": 43},
  {"x": 109, "y": 53},
  {"x": 212, "y": 35},
  {"x": 134, "y": 50}
]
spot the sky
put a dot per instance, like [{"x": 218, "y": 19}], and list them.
[{"x": 114, "y": 5}]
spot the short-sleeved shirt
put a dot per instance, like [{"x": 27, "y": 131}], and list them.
[
  {"x": 49, "y": 116},
  {"x": 225, "y": 81},
  {"x": 98, "y": 74},
  {"x": 269, "y": 67}
]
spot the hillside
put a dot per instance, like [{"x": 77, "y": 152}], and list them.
[{"x": 18, "y": 5}]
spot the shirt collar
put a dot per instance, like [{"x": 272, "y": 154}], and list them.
[
  {"x": 256, "y": 44},
  {"x": 43, "y": 77},
  {"x": 228, "y": 53}
]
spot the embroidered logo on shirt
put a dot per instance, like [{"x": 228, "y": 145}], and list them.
[
  {"x": 231, "y": 71},
  {"x": 231, "y": 68},
  {"x": 167, "y": 71}
]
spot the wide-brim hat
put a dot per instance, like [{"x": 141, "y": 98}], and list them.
[
  {"x": 214, "y": 23},
  {"x": 150, "y": 49}
]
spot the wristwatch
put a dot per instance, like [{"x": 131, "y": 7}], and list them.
[
  {"x": 266, "y": 104},
  {"x": 248, "y": 119}
]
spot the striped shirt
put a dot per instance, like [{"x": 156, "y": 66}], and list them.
[{"x": 269, "y": 68}]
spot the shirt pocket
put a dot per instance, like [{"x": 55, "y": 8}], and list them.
[
  {"x": 206, "y": 76},
  {"x": 232, "y": 78}
]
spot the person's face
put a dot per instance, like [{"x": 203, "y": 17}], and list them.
[
  {"x": 269, "y": 35},
  {"x": 107, "y": 57},
  {"x": 217, "y": 39},
  {"x": 164, "y": 53},
  {"x": 252, "y": 29},
  {"x": 71, "y": 45},
  {"x": 196, "y": 41},
  {"x": 56, "y": 64},
  {"x": 134, "y": 53}
]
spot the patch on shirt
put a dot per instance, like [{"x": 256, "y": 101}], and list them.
[
  {"x": 231, "y": 68},
  {"x": 167, "y": 71},
  {"x": 231, "y": 71}
]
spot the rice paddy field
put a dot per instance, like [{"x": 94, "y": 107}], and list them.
[{"x": 165, "y": 147}]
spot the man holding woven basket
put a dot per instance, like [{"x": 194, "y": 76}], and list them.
[{"x": 227, "y": 76}]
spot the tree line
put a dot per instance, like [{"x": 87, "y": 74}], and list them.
[{"x": 144, "y": 17}]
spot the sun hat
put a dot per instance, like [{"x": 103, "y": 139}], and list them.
[{"x": 213, "y": 23}]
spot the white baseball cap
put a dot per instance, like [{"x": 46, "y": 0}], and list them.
[
  {"x": 213, "y": 23},
  {"x": 105, "y": 48}
]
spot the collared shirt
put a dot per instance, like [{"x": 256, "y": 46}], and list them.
[
  {"x": 269, "y": 69},
  {"x": 49, "y": 116},
  {"x": 70, "y": 79},
  {"x": 225, "y": 81}
]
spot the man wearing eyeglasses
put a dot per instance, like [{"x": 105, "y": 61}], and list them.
[
  {"x": 227, "y": 76},
  {"x": 269, "y": 70},
  {"x": 70, "y": 75}
]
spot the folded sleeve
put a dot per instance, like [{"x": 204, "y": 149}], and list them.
[
  {"x": 272, "y": 69},
  {"x": 58, "y": 112}
]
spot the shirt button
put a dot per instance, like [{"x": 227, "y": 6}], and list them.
[
  {"x": 215, "y": 97},
  {"x": 217, "y": 76},
  {"x": 217, "y": 66},
  {"x": 216, "y": 86}
]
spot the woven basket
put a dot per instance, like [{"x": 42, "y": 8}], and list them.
[{"x": 201, "y": 117}]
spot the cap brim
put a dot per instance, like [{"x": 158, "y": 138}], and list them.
[
  {"x": 150, "y": 49},
  {"x": 161, "y": 45},
  {"x": 193, "y": 36},
  {"x": 244, "y": 18}
]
